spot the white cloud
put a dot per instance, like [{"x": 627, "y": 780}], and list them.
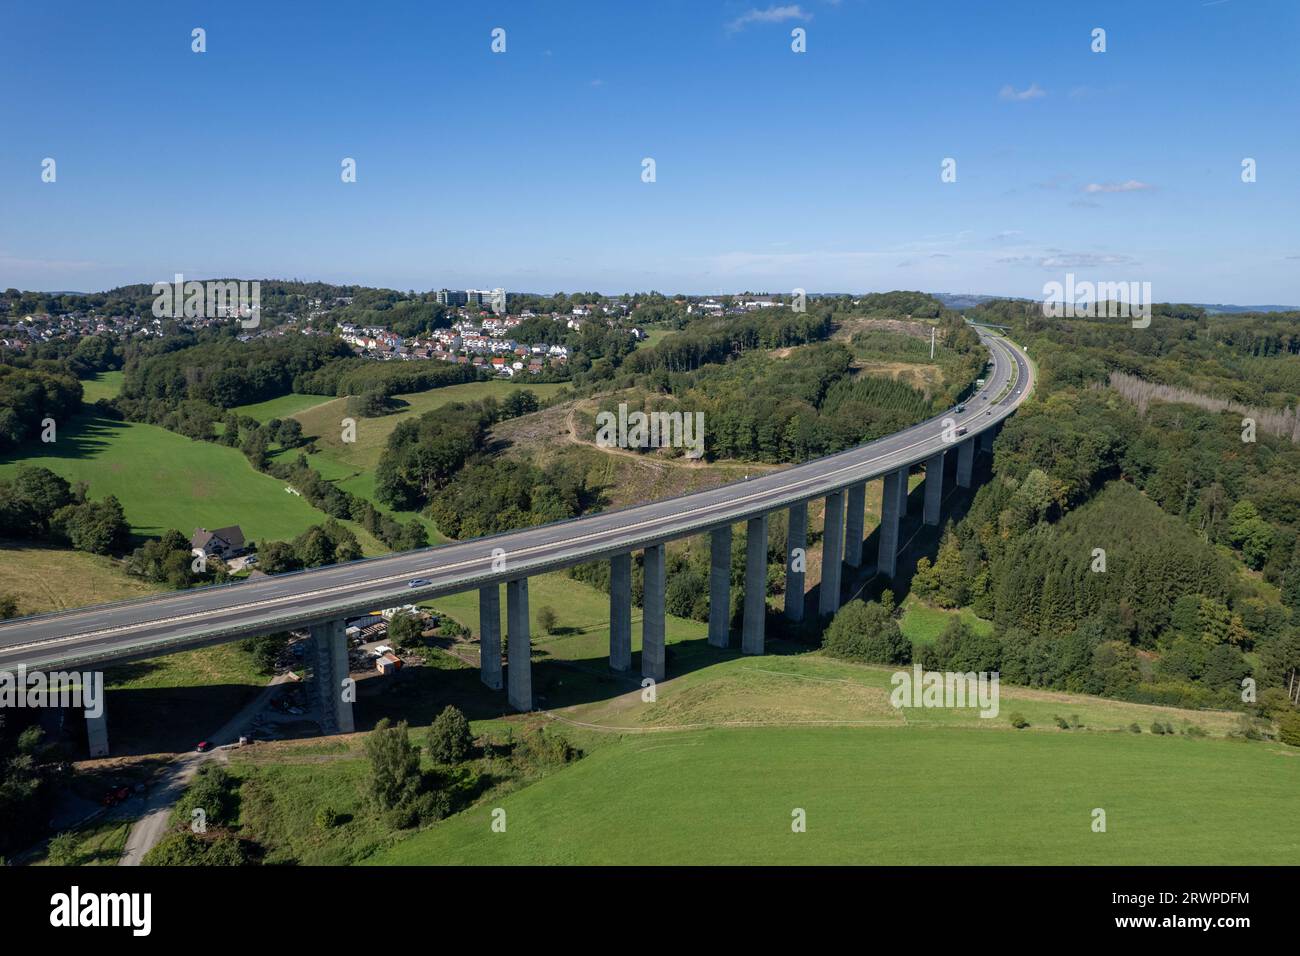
[
  {"x": 1034, "y": 92},
  {"x": 1084, "y": 260},
  {"x": 791, "y": 11},
  {"x": 1058, "y": 259},
  {"x": 1129, "y": 186}
]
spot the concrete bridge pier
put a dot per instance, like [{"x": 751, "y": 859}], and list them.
[
  {"x": 653, "y": 655},
  {"x": 832, "y": 553},
  {"x": 97, "y": 733},
  {"x": 795, "y": 564},
  {"x": 620, "y": 612},
  {"x": 720, "y": 587},
  {"x": 519, "y": 670},
  {"x": 752, "y": 633},
  {"x": 933, "y": 488},
  {"x": 902, "y": 492},
  {"x": 986, "y": 439},
  {"x": 893, "y": 505},
  {"x": 965, "y": 462},
  {"x": 489, "y": 636},
  {"x": 853, "y": 524},
  {"x": 331, "y": 677}
]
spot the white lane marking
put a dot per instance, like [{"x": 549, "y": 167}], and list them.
[{"x": 378, "y": 582}]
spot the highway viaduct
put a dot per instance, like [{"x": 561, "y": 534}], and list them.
[{"x": 321, "y": 599}]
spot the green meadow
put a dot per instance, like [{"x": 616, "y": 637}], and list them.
[
  {"x": 101, "y": 385},
  {"x": 285, "y": 406},
  {"x": 351, "y": 465},
  {"x": 322, "y": 421},
  {"x": 165, "y": 480},
  {"x": 711, "y": 771},
  {"x": 922, "y": 623},
  {"x": 895, "y": 796}
]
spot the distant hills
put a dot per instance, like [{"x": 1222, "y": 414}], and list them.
[
  {"x": 1221, "y": 308},
  {"x": 966, "y": 300}
]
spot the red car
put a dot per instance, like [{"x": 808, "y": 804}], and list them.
[{"x": 203, "y": 746}]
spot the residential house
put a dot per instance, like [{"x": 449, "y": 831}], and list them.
[{"x": 221, "y": 543}]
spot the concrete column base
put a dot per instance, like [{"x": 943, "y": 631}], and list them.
[
  {"x": 489, "y": 636},
  {"x": 97, "y": 733},
  {"x": 965, "y": 462},
  {"x": 796, "y": 561},
  {"x": 854, "y": 522},
  {"x": 653, "y": 653},
  {"x": 933, "y": 488},
  {"x": 334, "y": 691},
  {"x": 891, "y": 513},
  {"x": 720, "y": 587},
  {"x": 620, "y": 612},
  {"x": 519, "y": 666},
  {"x": 832, "y": 554},
  {"x": 753, "y": 632}
]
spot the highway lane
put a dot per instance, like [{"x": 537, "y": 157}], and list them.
[{"x": 174, "y": 621}]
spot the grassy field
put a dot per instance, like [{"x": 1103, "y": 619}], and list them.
[
  {"x": 922, "y": 624},
  {"x": 286, "y": 406},
  {"x": 352, "y": 465},
  {"x": 53, "y": 579},
  {"x": 207, "y": 686},
  {"x": 362, "y": 484},
  {"x": 710, "y": 771},
  {"x": 654, "y": 336},
  {"x": 582, "y": 618},
  {"x": 794, "y": 687},
  {"x": 322, "y": 421},
  {"x": 571, "y": 666},
  {"x": 888, "y": 796},
  {"x": 165, "y": 480},
  {"x": 99, "y": 843},
  {"x": 101, "y": 385}
]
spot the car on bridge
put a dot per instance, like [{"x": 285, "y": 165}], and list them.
[{"x": 418, "y": 583}]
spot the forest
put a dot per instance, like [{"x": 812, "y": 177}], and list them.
[{"x": 1144, "y": 549}]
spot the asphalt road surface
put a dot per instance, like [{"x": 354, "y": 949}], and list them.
[{"x": 181, "y": 620}]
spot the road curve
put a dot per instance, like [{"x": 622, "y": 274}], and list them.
[{"x": 146, "y": 627}]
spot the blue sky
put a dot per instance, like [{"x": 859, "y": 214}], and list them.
[{"x": 774, "y": 170}]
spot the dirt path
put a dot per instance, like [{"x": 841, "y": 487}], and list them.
[
  {"x": 152, "y": 825},
  {"x": 658, "y": 464}
]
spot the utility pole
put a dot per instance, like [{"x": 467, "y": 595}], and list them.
[{"x": 932, "y": 343}]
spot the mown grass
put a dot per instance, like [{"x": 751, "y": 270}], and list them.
[
  {"x": 894, "y": 796},
  {"x": 54, "y": 579},
  {"x": 101, "y": 385},
  {"x": 165, "y": 480},
  {"x": 710, "y": 770},
  {"x": 224, "y": 663},
  {"x": 803, "y": 688},
  {"x": 922, "y": 623},
  {"x": 581, "y": 612},
  {"x": 285, "y": 406},
  {"x": 322, "y": 422}
]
